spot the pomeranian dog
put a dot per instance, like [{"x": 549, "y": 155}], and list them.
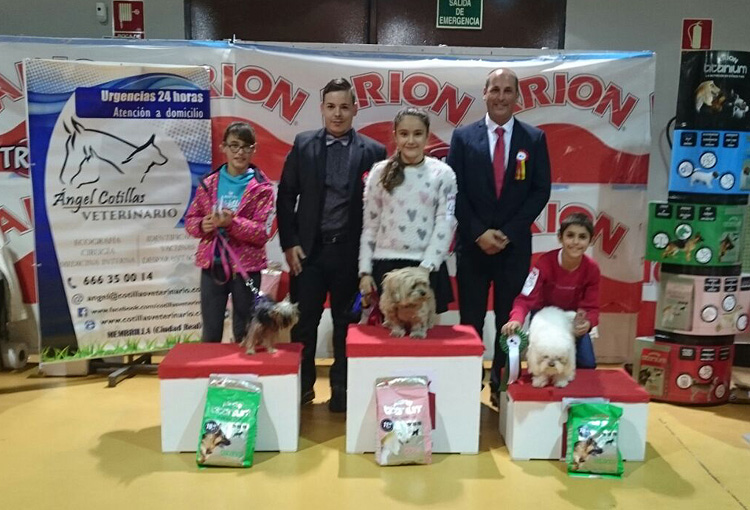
[
  {"x": 213, "y": 437},
  {"x": 408, "y": 303},
  {"x": 551, "y": 356},
  {"x": 269, "y": 321}
]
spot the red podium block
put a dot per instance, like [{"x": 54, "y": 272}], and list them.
[
  {"x": 450, "y": 356},
  {"x": 532, "y": 419},
  {"x": 183, "y": 379}
]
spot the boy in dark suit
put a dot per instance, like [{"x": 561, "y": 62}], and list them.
[
  {"x": 319, "y": 211},
  {"x": 503, "y": 174}
]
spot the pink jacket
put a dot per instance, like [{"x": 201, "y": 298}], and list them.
[{"x": 247, "y": 233}]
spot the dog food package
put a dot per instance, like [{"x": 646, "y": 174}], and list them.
[
  {"x": 404, "y": 423},
  {"x": 228, "y": 430},
  {"x": 593, "y": 431}
]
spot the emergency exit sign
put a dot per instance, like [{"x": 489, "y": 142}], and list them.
[{"x": 461, "y": 14}]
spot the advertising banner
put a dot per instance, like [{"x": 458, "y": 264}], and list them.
[
  {"x": 694, "y": 234},
  {"x": 114, "y": 150},
  {"x": 714, "y": 91},
  {"x": 703, "y": 305},
  {"x": 594, "y": 108}
]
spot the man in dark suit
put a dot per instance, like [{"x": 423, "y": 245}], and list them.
[
  {"x": 503, "y": 173},
  {"x": 319, "y": 211}
]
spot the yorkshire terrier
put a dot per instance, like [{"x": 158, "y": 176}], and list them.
[{"x": 269, "y": 321}]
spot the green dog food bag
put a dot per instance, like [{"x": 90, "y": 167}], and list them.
[
  {"x": 592, "y": 442},
  {"x": 229, "y": 426}
]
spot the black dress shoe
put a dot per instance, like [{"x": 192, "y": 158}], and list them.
[
  {"x": 495, "y": 399},
  {"x": 307, "y": 397},
  {"x": 337, "y": 404}
]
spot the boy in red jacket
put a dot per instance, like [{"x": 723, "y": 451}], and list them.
[{"x": 566, "y": 278}]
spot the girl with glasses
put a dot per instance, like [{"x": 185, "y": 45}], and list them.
[{"x": 230, "y": 215}]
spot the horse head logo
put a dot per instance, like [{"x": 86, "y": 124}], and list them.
[{"x": 89, "y": 151}]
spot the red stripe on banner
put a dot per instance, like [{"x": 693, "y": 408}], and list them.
[
  {"x": 614, "y": 296},
  {"x": 269, "y": 155},
  {"x": 383, "y": 133},
  {"x": 619, "y": 297},
  {"x": 14, "y": 136},
  {"x": 578, "y": 156},
  {"x": 646, "y": 319},
  {"x": 27, "y": 277}
]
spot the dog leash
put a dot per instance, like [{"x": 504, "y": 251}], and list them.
[{"x": 227, "y": 256}]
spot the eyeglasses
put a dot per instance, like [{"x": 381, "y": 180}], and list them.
[{"x": 234, "y": 148}]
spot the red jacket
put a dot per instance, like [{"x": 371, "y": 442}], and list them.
[
  {"x": 548, "y": 284},
  {"x": 248, "y": 232}
]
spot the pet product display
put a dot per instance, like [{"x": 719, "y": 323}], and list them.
[
  {"x": 711, "y": 162},
  {"x": 714, "y": 91},
  {"x": 685, "y": 369},
  {"x": 703, "y": 305},
  {"x": 695, "y": 234},
  {"x": 229, "y": 424},
  {"x": 404, "y": 423},
  {"x": 592, "y": 440},
  {"x": 698, "y": 235}
]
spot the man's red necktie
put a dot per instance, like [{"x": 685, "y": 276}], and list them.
[{"x": 498, "y": 160}]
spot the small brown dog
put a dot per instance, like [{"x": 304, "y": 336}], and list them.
[
  {"x": 408, "y": 303},
  {"x": 270, "y": 320}
]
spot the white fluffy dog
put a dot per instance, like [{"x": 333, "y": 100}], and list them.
[
  {"x": 408, "y": 303},
  {"x": 551, "y": 356}
]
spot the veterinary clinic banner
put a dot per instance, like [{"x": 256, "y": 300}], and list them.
[
  {"x": 114, "y": 150},
  {"x": 594, "y": 107}
]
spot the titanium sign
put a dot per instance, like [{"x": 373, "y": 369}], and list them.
[{"x": 461, "y": 14}]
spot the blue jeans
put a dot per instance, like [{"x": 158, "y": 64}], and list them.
[{"x": 585, "y": 352}]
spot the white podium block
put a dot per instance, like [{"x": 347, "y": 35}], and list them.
[
  {"x": 450, "y": 356},
  {"x": 532, "y": 419},
  {"x": 183, "y": 380}
]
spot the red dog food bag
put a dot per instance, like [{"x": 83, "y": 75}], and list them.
[{"x": 404, "y": 423}]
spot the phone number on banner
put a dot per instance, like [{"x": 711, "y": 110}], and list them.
[{"x": 117, "y": 278}]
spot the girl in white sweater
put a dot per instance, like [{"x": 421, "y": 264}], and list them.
[{"x": 409, "y": 203}]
